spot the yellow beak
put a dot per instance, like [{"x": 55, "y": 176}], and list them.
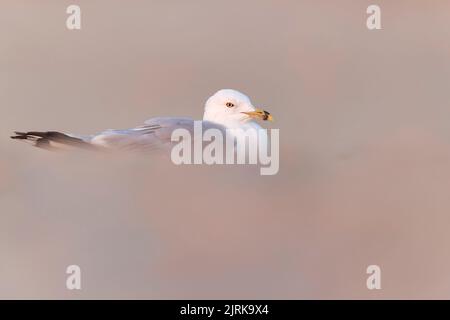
[{"x": 260, "y": 114}]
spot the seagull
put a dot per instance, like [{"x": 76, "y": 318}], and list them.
[{"x": 226, "y": 109}]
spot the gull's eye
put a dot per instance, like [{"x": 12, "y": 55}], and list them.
[{"x": 229, "y": 105}]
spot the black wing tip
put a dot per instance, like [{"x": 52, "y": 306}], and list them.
[
  {"x": 43, "y": 138},
  {"x": 19, "y": 135}
]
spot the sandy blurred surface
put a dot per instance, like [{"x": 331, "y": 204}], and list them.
[{"x": 365, "y": 150}]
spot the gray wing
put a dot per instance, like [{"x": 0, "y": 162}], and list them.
[{"x": 153, "y": 135}]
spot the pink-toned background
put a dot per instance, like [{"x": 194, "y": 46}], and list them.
[{"x": 364, "y": 121}]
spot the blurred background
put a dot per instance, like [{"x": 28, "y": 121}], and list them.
[{"x": 364, "y": 159}]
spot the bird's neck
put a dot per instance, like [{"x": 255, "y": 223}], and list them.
[
  {"x": 238, "y": 128},
  {"x": 230, "y": 122}
]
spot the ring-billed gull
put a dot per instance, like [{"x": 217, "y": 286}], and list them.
[{"x": 226, "y": 109}]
